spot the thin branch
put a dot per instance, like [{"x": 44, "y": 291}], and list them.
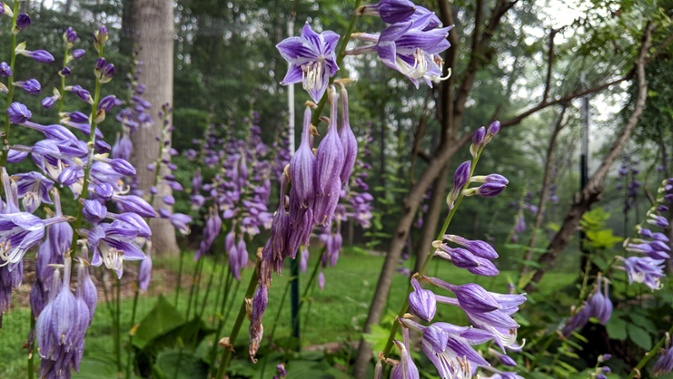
[{"x": 550, "y": 64}]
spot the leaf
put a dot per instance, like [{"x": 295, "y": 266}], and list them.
[
  {"x": 616, "y": 328},
  {"x": 100, "y": 367},
  {"x": 639, "y": 336},
  {"x": 377, "y": 338},
  {"x": 642, "y": 321},
  {"x": 181, "y": 365},
  {"x": 161, "y": 319}
]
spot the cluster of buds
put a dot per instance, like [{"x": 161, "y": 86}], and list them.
[
  {"x": 628, "y": 172},
  {"x": 652, "y": 247},
  {"x": 597, "y": 305},
  {"x": 451, "y": 347},
  {"x": 316, "y": 180}
]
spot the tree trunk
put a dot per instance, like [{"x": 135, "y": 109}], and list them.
[
  {"x": 593, "y": 189},
  {"x": 152, "y": 29}
]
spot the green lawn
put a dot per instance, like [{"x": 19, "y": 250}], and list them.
[{"x": 334, "y": 314}]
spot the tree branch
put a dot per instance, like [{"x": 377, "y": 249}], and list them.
[{"x": 594, "y": 187}]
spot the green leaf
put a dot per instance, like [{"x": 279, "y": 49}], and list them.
[
  {"x": 377, "y": 338},
  {"x": 616, "y": 328},
  {"x": 162, "y": 318},
  {"x": 642, "y": 321},
  {"x": 100, "y": 367},
  {"x": 181, "y": 365},
  {"x": 639, "y": 336}
]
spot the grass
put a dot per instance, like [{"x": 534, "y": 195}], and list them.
[{"x": 333, "y": 314}]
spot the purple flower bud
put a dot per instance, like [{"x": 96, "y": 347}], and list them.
[
  {"x": 329, "y": 156},
  {"x": 22, "y": 21},
  {"x": 82, "y": 93},
  {"x": 48, "y": 102},
  {"x": 478, "y": 139},
  {"x": 493, "y": 129},
  {"x": 144, "y": 273},
  {"x": 168, "y": 199},
  {"x": 181, "y": 222},
  {"x": 86, "y": 289},
  {"x": 302, "y": 166},
  {"x": 107, "y": 73},
  {"x": 100, "y": 37},
  {"x": 321, "y": 280},
  {"x": 69, "y": 35},
  {"x": 65, "y": 71},
  {"x": 5, "y": 70},
  {"x": 122, "y": 166},
  {"x": 18, "y": 113},
  {"x": 390, "y": 11},
  {"x": 490, "y": 189},
  {"x": 94, "y": 211},
  {"x": 348, "y": 141},
  {"x": 107, "y": 103},
  {"x": 135, "y": 204},
  {"x": 477, "y": 247},
  {"x": 31, "y": 86},
  {"x": 39, "y": 56},
  {"x": 422, "y": 302},
  {"x": 462, "y": 175},
  {"x": 78, "y": 117},
  {"x": 506, "y": 360},
  {"x": 664, "y": 364},
  {"x": 100, "y": 64},
  {"x": 78, "y": 53}
]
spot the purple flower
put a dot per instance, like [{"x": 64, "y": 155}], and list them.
[
  {"x": 107, "y": 103},
  {"x": 664, "y": 364},
  {"x": 5, "y": 70},
  {"x": 39, "y": 56},
  {"x": 144, "y": 272},
  {"x": 411, "y": 48},
  {"x": 181, "y": 222},
  {"x": 302, "y": 166},
  {"x": 112, "y": 244},
  {"x": 18, "y": 233},
  {"x": 405, "y": 369},
  {"x": 645, "y": 270},
  {"x": 22, "y": 21},
  {"x": 476, "y": 247},
  {"x": 78, "y": 53},
  {"x": 31, "y": 86},
  {"x": 135, "y": 204},
  {"x": 81, "y": 93},
  {"x": 86, "y": 289},
  {"x": 18, "y": 113},
  {"x": 34, "y": 188},
  {"x": 69, "y": 36},
  {"x": 600, "y": 303},
  {"x": 478, "y": 139},
  {"x": 348, "y": 141},
  {"x": 390, "y": 11},
  {"x": 256, "y": 330},
  {"x": 312, "y": 60},
  {"x": 463, "y": 258}
]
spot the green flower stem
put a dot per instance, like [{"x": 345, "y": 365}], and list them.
[
  {"x": 129, "y": 347},
  {"x": 61, "y": 101},
  {"x": 196, "y": 279},
  {"x": 650, "y": 354},
  {"x": 249, "y": 293},
  {"x": 177, "y": 284},
  {"x": 340, "y": 53},
  {"x": 118, "y": 337},
  {"x": 220, "y": 324},
  {"x": 430, "y": 254},
  {"x": 10, "y": 88},
  {"x": 31, "y": 348}
]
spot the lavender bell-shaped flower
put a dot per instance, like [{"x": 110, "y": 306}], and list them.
[
  {"x": 664, "y": 364},
  {"x": 302, "y": 166},
  {"x": 329, "y": 163},
  {"x": 390, "y": 11},
  {"x": 405, "y": 369},
  {"x": 600, "y": 302},
  {"x": 312, "y": 60},
  {"x": 348, "y": 141},
  {"x": 257, "y": 307}
]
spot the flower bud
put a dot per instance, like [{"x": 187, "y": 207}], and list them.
[
  {"x": 69, "y": 37},
  {"x": 422, "y": 302},
  {"x": 78, "y": 53},
  {"x": 477, "y": 141},
  {"x": 31, "y": 86},
  {"x": 22, "y": 22},
  {"x": 5, "y": 70},
  {"x": 18, "y": 113},
  {"x": 99, "y": 38}
]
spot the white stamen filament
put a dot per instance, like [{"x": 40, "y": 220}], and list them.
[{"x": 312, "y": 74}]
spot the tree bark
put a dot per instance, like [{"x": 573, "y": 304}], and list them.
[
  {"x": 152, "y": 29},
  {"x": 593, "y": 189}
]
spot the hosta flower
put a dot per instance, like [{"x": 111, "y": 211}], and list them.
[
  {"x": 645, "y": 270},
  {"x": 406, "y": 368},
  {"x": 664, "y": 364},
  {"x": 312, "y": 60},
  {"x": 412, "y": 50},
  {"x": 34, "y": 188},
  {"x": 422, "y": 302},
  {"x": 112, "y": 244},
  {"x": 18, "y": 233},
  {"x": 390, "y": 11}
]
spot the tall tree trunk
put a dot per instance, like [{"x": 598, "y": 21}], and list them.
[
  {"x": 593, "y": 189},
  {"x": 152, "y": 29}
]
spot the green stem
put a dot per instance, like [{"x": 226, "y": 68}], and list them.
[
  {"x": 31, "y": 348},
  {"x": 430, "y": 254},
  {"x": 10, "y": 90},
  {"x": 249, "y": 293},
  {"x": 178, "y": 283},
  {"x": 205, "y": 297},
  {"x": 650, "y": 354},
  {"x": 118, "y": 336},
  {"x": 193, "y": 288},
  {"x": 129, "y": 348},
  {"x": 220, "y": 323}
]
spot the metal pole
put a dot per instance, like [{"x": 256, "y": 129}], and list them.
[
  {"x": 584, "y": 159},
  {"x": 294, "y": 264}
]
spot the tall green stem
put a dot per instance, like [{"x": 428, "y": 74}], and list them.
[
  {"x": 428, "y": 257},
  {"x": 249, "y": 293},
  {"x": 650, "y": 354},
  {"x": 118, "y": 344},
  {"x": 179, "y": 281},
  {"x": 129, "y": 347}
]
